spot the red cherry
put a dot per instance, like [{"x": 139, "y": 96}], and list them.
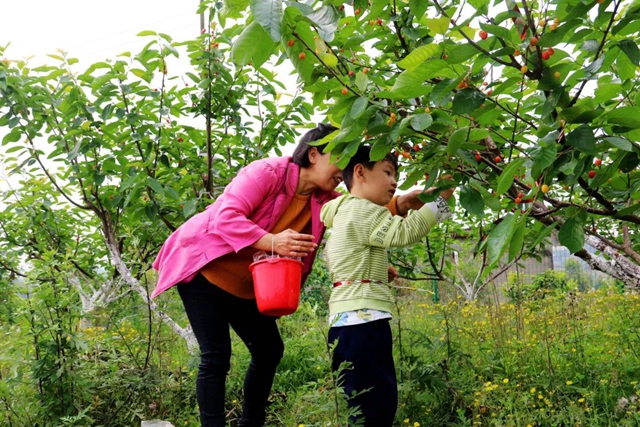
[
  {"x": 344, "y": 91},
  {"x": 597, "y": 162},
  {"x": 546, "y": 55},
  {"x": 478, "y": 157},
  {"x": 483, "y": 35},
  {"x": 350, "y": 72},
  {"x": 291, "y": 43},
  {"x": 302, "y": 55},
  {"x": 551, "y": 51},
  {"x": 534, "y": 41},
  {"x": 592, "y": 174},
  {"x": 498, "y": 159}
]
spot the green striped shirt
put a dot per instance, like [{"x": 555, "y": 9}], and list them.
[{"x": 356, "y": 249}]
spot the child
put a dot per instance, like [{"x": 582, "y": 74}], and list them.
[{"x": 361, "y": 302}]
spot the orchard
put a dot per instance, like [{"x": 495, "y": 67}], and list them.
[{"x": 532, "y": 108}]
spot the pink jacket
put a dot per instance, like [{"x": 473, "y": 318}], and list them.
[{"x": 247, "y": 210}]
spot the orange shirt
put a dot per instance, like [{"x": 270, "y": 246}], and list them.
[{"x": 231, "y": 272}]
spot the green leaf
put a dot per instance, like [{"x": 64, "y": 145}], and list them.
[
  {"x": 142, "y": 74},
  {"x": 607, "y": 91},
  {"x": 151, "y": 211},
  {"x": 13, "y": 136},
  {"x": 571, "y": 233},
  {"x": 517, "y": 241},
  {"x": 362, "y": 80},
  {"x": 461, "y": 53},
  {"x": 351, "y": 128},
  {"x": 624, "y": 116},
  {"x": 630, "y": 48},
  {"x": 543, "y": 156},
  {"x": 552, "y": 38},
  {"x": 155, "y": 185},
  {"x": 582, "y": 138},
  {"x": 584, "y": 113},
  {"x": 497, "y": 30},
  {"x": 506, "y": 177},
  {"x": 98, "y": 178},
  {"x": 252, "y": 45},
  {"x": 542, "y": 232},
  {"x": 471, "y": 201},
  {"x": 410, "y": 84},
  {"x": 628, "y": 210},
  {"x": 421, "y": 121},
  {"x": 625, "y": 68},
  {"x": 467, "y": 100},
  {"x": 359, "y": 107},
  {"x": 595, "y": 66},
  {"x": 629, "y": 162},
  {"x": 456, "y": 140},
  {"x": 379, "y": 149},
  {"x": 480, "y": 5},
  {"x": 418, "y": 7},
  {"x": 438, "y": 25},
  {"x": 189, "y": 207},
  {"x": 326, "y": 21},
  {"x": 268, "y": 13},
  {"x": 147, "y": 33},
  {"x": 498, "y": 239},
  {"x": 620, "y": 143},
  {"x": 418, "y": 56}
]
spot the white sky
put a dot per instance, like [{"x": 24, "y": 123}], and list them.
[{"x": 90, "y": 30}]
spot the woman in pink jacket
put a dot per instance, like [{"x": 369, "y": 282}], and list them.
[{"x": 274, "y": 204}]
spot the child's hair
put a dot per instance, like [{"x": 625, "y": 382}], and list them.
[
  {"x": 301, "y": 153},
  {"x": 363, "y": 157}
]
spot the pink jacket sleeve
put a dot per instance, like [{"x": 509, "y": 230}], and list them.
[{"x": 244, "y": 196}]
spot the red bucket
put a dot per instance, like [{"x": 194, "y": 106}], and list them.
[{"x": 276, "y": 282}]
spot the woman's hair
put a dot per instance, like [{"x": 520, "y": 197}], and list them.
[
  {"x": 363, "y": 157},
  {"x": 301, "y": 153}
]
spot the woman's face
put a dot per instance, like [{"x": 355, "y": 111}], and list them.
[{"x": 323, "y": 173}]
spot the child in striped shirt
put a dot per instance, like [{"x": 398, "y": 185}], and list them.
[{"x": 361, "y": 301}]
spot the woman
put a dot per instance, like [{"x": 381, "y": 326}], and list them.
[{"x": 271, "y": 203}]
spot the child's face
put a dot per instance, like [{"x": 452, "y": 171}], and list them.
[{"x": 380, "y": 184}]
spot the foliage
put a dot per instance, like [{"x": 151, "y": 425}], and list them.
[
  {"x": 541, "y": 285},
  {"x": 568, "y": 359},
  {"x": 530, "y": 107}
]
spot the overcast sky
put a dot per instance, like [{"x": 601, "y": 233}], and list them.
[{"x": 90, "y": 30}]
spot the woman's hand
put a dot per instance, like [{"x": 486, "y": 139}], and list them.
[{"x": 287, "y": 243}]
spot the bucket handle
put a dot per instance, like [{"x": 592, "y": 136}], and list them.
[{"x": 273, "y": 239}]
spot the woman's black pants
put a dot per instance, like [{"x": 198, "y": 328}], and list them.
[{"x": 211, "y": 311}]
